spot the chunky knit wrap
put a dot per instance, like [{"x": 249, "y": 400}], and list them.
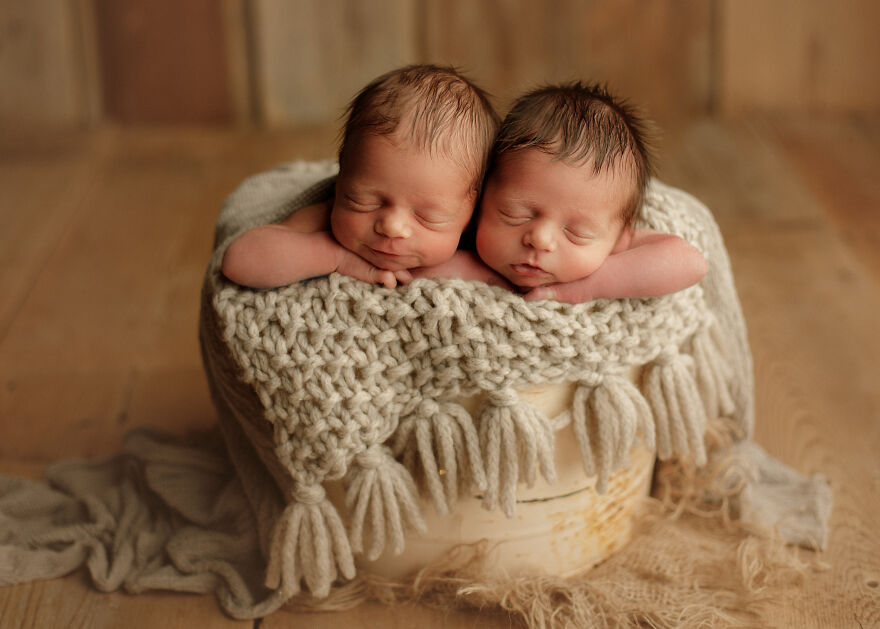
[{"x": 334, "y": 379}]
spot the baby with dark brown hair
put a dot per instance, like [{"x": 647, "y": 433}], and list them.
[{"x": 560, "y": 206}]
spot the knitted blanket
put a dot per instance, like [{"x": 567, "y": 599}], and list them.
[{"x": 333, "y": 379}]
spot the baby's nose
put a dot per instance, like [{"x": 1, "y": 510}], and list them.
[
  {"x": 394, "y": 224},
  {"x": 540, "y": 237}
]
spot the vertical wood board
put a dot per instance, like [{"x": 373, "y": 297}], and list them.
[
  {"x": 164, "y": 61},
  {"x": 43, "y": 74},
  {"x": 312, "y": 56},
  {"x": 656, "y": 54}
]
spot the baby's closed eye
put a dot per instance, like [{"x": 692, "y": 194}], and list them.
[
  {"x": 515, "y": 217},
  {"x": 362, "y": 205},
  {"x": 434, "y": 217},
  {"x": 578, "y": 236}
]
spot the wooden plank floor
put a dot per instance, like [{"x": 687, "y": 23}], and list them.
[{"x": 104, "y": 236}]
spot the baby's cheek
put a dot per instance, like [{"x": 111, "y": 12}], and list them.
[
  {"x": 435, "y": 248},
  {"x": 342, "y": 225},
  {"x": 481, "y": 244},
  {"x": 489, "y": 249},
  {"x": 448, "y": 247},
  {"x": 344, "y": 237}
]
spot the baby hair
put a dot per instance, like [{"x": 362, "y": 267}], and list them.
[
  {"x": 440, "y": 108},
  {"x": 579, "y": 123}
]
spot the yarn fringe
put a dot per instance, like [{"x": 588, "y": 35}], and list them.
[
  {"x": 309, "y": 544},
  {"x": 382, "y": 502},
  {"x": 679, "y": 412},
  {"x": 516, "y": 440},
  {"x": 441, "y": 439},
  {"x": 607, "y": 418},
  {"x": 713, "y": 371}
]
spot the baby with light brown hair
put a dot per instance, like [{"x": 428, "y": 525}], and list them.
[
  {"x": 560, "y": 206},
  {"x": 414, "y": 151}
]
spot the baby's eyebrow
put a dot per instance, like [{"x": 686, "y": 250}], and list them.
[
  {"x": 518, "y": 203},
  {"x": 360, "y": 188},
  {"x": 433, "y": 208},
  {"x": 443, "y": 204},
  {"x": 582, "y": 229},
  {"x": 354, "y": 193}
]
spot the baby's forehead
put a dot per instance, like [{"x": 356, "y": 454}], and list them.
[
  {"x": 450, "y": 144},
  {"x": 446, "y": 151},
  {"x": 623, "y": 167}
]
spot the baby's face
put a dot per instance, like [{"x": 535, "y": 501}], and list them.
[
  {"x": 399, "y": 207},
  {"x": 544, "y": 221}
]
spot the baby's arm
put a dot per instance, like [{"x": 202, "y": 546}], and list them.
[
  {"x": 296, "y": 249},
  {"x": 649, "y": 264}
]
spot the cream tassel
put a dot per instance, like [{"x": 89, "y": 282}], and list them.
[
  {"x": 513, "y": 434},
  {"x": 380, "y": 485},
  {"x": 607, "y": 414},
  {"x": 446, "y": 431},
  {"x": 308, "y": 543},
  {"x": 679, "y": 415},
  {"x": 713, "y": 371}
]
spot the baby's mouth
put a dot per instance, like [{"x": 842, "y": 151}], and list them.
[
  {"x": 529, "y": 270},
  {"x": 387, "y": 255},
  {"x": 389, "y": 260}
]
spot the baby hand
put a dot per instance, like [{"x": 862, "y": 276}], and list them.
[
  {"x": 403, "y": 276},
  {"x": 355, "y": 266}
]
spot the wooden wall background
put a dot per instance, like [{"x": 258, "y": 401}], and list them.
[{"x": 287, "y": 62}]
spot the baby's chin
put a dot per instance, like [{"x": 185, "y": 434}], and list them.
[
  {"x": 391, "y": 263},
  {"x": 522, "y": 286}
]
